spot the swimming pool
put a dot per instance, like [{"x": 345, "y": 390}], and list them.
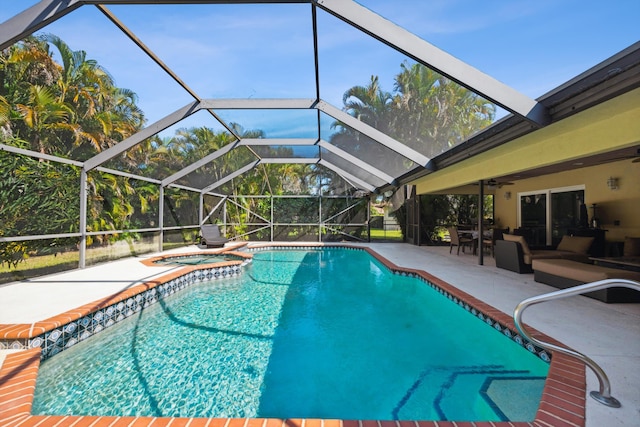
[{"x": 329, "y": 334}]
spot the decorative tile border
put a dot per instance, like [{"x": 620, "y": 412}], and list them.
[
  {"x": 563, "y": 400},
  {"x": 57, "y": 337}
]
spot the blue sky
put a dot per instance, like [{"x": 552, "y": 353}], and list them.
[{"x": 264, "y": 51}]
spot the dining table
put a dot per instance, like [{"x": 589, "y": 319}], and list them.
[{"x": 473, "y": 235}]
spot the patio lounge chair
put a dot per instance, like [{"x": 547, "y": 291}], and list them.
[{"x": 211, "y": 236}]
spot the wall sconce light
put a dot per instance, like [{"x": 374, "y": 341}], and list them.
[
  {"x": 388, "y": 193},
  {"x": 612, "y": 183},
  {"x": 507, "y": 195}
]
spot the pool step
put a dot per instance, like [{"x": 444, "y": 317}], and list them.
[
  {"x": 505, "y": 393},
  {"x": 511, "y": 396},
  {"x": 498, "y": 393}
]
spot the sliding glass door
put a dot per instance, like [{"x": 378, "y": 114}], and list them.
[
  {"x": 544, "y": 216},
  {"x": 533, "y": 218},
  {"x": 566, "y": 213}
]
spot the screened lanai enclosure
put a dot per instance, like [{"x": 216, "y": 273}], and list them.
[{"x": 128, "y": 124}]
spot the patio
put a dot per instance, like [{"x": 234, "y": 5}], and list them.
[{"x": 608, "y": 333}]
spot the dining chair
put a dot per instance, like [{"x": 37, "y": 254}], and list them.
[
  {"x": 489, "y": 242},
  {"x": 458, "y": 240}
]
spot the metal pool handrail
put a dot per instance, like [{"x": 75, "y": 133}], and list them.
[{"x": 604, "y": 394}]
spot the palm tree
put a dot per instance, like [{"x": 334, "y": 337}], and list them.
[
  {"x": 22, "y": 66},
  {"x": 83, "y": 81},
  {"x": 46, "y": 117},
  {"x": 369, "y": 104},
  {"x": 434, "y": 113},
  {"x": 104, "y": 114},
  {"x": 377, "y": 108},
  {"x": 71, "y": 110},
  {"x": 5, "y": 108}
]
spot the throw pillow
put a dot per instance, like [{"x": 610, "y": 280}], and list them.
[
  {"x": 577, "y": 244},
  {"x": 518, "y": 239},
  {"x": 631, "y": 246}
]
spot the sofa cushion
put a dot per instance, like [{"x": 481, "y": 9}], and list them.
[
  {"x": 631, "y": 246},
  {"x": 582, "y": 272},
  {"x": 549, "y": 254},
  {"x": 518, "y": 239},
  {"x": 555, "y": 254},
  {"x": 577, "y": 244}
]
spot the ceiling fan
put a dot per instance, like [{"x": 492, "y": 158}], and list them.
[{"x": 492, "y": 183}]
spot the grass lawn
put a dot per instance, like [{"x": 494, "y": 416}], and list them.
[
  {"x": 35, "y": 266},
  {"x": 378, "y": 234},
  {"x": 38, "y": 266}
]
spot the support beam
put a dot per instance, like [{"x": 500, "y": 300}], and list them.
[
  {"x": 204, "y": 218},
  {"x": 34, "y": 18},
  {"x": 480, "y": 220},
  {"x": 257, "y": 104},
  {"x": 347, "y": 176},
  {"x": 145, "y": 133},
  {"x": 200, "y": 163},
  {"x": 289, "y": 160},
  {"x": 128, "y": 175},
  {"x": 184, "y": 187},
  {"x": 38, "y": 155},
  {"x": 375, "y": 134},
  {"x": 83, "y": 219},
  {"x": 229, "y": 177},
  {"x": 356, "y": 161},
  {"x": 181, "y": 2},
  {"x": 201, "y": 210},
  {"x": 161, "y": 217},
  {"x": 146, "y": 50},
  {"x": 416, "y": 48},
  {"x": 316, "y": 61},
  {"x": 47, "y": 11},
  {"x": 278, "y": 141},
  {"x": 158, "y": 61}
]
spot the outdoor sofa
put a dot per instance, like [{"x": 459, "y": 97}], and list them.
[
  {"x": 513, "y": 253},
  {"x": 563, "y": 273}
]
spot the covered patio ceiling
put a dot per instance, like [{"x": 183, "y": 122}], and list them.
[{"x": 381, "y": 162}]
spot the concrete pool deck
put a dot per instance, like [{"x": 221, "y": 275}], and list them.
[{"x": 608, "y": 333}]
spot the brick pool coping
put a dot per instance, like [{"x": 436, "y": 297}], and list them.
[
  {"x": 563, "y": 399},
  {"x": 227, "y": 250}
]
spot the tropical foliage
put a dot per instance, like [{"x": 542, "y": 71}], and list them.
[
  {"x": 73, "y": 109},
  {"x": 428, "y": 113}
]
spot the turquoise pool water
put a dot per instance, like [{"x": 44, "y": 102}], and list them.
[{"x": 300, "y": 334}]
